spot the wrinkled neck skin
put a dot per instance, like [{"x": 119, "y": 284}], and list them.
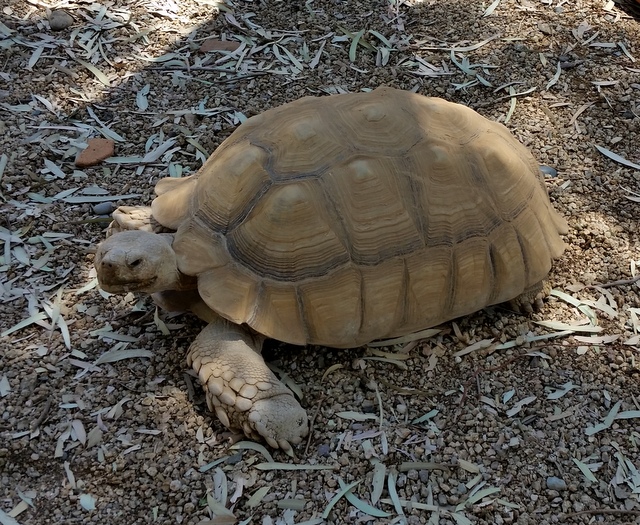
[{"x": 181, "y": 281}]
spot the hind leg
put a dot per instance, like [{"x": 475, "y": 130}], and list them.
[{"x": 531, "y": 299}]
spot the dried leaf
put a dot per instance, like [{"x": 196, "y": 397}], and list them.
[
  {"x": 491, "y": 8},
  {"x": 218, "y": 508},
  {"x": 506, "y": 397},
  {"x": 118, "y": 355},
  {"x": 377, "y": 484},
  {"x": 626, "y": 51},
  {"x": 78, "y": 429},
  {"x": 337, "y": 498},
  {"x": 405, "y": 466},
  {"x": 291, "y": 466},
  {"x": 557, "y": 394},
  {"x": 141, "y": 97},
  {"x": 220, "y": 486},
  {"x": 557, "y": 325},
  {"x": 35, "y": 57},
  {"x": 426, "y": 417},
  {"x": 355, "y": 416},
  {"x": 585, "y": 470},
  {"x": 382, "y": 38},
  {"x": 393, "y": 493},
  {"x": 330, "y": 370},
  {"x": 597, "y": 340},
  {"x": 94, "y": 437},
  {"x": 520, "y": 405},
  {"x": 256, "y": 447},
  {"x": 628, "y": 414},
  {"x": 468, "y": 466},
  {"x": 212, "y": 464},
  {"x": 361, "y": 505},
  {"x": 464, "y": 49},
  {"x": 316, "y": 59},
  {"x": 160, "y": 325},
  {"x": 87, "y": 502},
  {"x": 40, "y": 316},
  {"x": 481, "y": 494},
  {"x": 415, "y": 336},
  {"x": 96, "y": 72},
  {"x": 354, "y": 45},
  {"x": 617, "y": 158},
  {"x": 606, "y": 423},
  {"x": 292, "y": 503},
  {"x": 5, "y": 387},
  {"x": 257, "y": 497},
  {"x": 460, "y": 519},
  {"x": 88, "y": 199},
  {"x": 556, "y": 77},
  {"x": 478, "y": 345}
]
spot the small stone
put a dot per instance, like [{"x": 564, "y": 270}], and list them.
[
  {"x": 554, "y": 483},
  {"x": 96, "y": 151},
  {"x": 324, "y": 450},
  {"x": 175, "y": 485},
  {"x": 545, "y": 28},
  {"x": 59, "y": 19},
  {"x": 103, "y": 208}
]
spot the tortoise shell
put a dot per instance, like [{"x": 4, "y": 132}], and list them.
[{"x": 343, "y": 219}]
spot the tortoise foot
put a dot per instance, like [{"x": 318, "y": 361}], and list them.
[
  {"x": 242, "y": 391},
  {"x": 531, "y": 299},
  {"x": 278, "y": 420}
]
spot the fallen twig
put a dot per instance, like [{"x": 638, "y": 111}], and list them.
[
  {"x": 46, "y": 411},
  {"x": 617, "y": 512},
  {"x": 311, "y": 423},
  {"x": 617, "y": 283}
]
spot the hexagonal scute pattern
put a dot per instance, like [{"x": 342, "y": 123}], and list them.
[{"x": 339, "y": 220}]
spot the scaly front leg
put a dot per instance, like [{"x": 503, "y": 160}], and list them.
[{"x": 241, "y": 389}]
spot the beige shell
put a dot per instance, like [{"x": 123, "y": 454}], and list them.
[{"x": 339, "y": 220}]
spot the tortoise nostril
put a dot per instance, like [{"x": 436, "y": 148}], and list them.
[{"x": 135, "y": 263}]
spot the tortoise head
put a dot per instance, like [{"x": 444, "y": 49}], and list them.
[{"x": 137, "y": 261}]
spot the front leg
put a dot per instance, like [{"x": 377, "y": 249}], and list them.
[{"x": 241, "y": 389}]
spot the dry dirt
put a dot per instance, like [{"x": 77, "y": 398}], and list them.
[{"x": 448, "y": 431}]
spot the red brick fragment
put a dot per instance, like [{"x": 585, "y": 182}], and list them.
[{"x": 96, "y": 151}]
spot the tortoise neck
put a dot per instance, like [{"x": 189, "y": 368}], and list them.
[{"x": 186, "y": 282}]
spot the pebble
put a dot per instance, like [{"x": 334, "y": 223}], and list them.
[
  {"x": 104, "y": 208},
  {"x": 175, "y": 485},
  {"x": 549, "y": 171},
  {"x": 324, "y": 450},
  {"x": 554, "y": 483},
  {"x": 545, "y": 28},
  {"x": 59, "y": 19}
]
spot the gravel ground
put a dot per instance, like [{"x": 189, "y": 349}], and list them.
[{"x": 483, "y": 423}]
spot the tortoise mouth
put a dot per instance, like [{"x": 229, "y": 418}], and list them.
[{"x": 127, "y": 286}]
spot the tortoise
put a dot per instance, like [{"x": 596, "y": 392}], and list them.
[{"x": 335, "y": 221}]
